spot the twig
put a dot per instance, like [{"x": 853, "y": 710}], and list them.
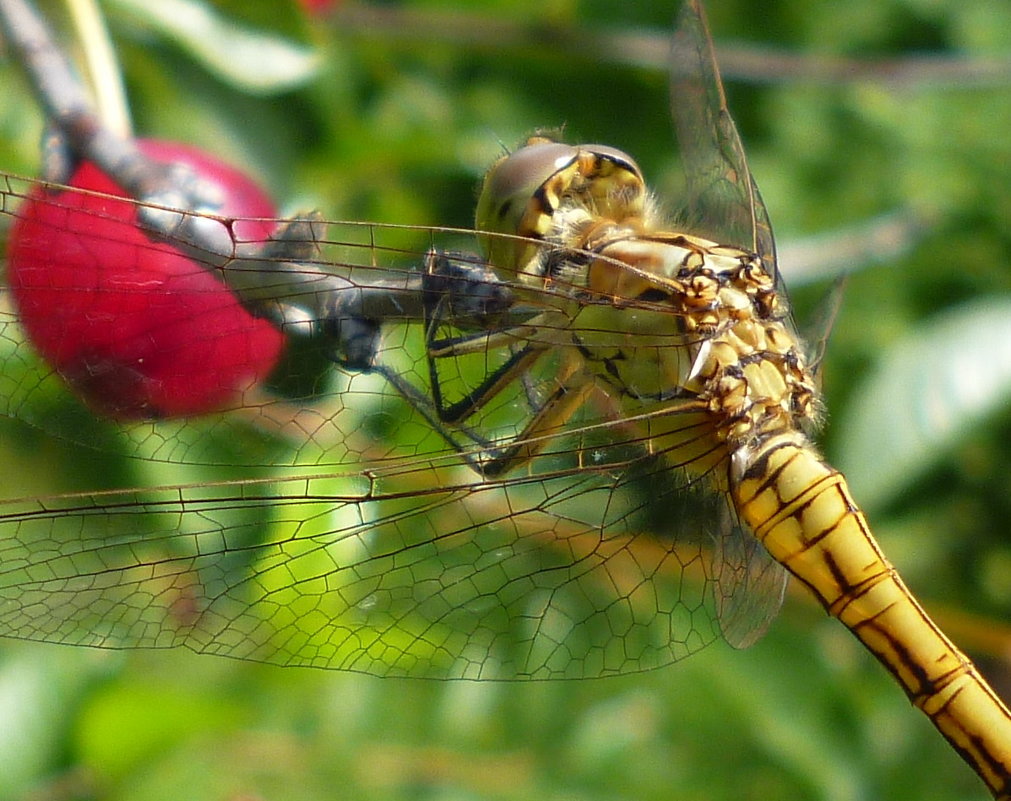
[{"x": 651, "y": 50}]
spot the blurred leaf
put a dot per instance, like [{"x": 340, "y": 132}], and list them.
[
  {"x": 943, "y": 378},
  {"x": 129, "y": 722},
  {"x": 250, "y": 60},
  {"x": 875, "y": 242},
  {"x": 36, "y": 699}
]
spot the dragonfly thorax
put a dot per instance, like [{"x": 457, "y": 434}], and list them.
[
  {"x": 747, "y": 367},
  {"x": 698, "y": 319},
  {"x": 754, "y": 381}
]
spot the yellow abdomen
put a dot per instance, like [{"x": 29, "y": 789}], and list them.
[{"x": 802, "y": 511}]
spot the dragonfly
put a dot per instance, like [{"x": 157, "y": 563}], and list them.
[{"x": 574, "y": 442}]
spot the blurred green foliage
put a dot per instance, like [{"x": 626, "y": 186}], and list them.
[{"x": 397, "y": 126}]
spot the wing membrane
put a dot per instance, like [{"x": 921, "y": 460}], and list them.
[
  {"x": 724, "y": 200},
  {"x": 424, "y": 571}
]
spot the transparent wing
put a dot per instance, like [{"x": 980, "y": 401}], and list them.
[
  {"x": 750, "y": 585},
  {"x": 724, "y": 204},
  {"x": 335, "y": 525},
  {"x": 426, "y": 572},
  {"x": 723, "y": 199}
]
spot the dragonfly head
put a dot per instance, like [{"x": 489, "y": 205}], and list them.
[{"x": 525, "y": 192}]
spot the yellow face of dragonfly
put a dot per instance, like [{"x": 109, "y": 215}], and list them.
[{"x": 550, "y": 191}]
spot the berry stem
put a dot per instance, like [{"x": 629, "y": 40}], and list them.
[{"x": 103, "y": 66}]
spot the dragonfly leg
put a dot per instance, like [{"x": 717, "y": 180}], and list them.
[
  {"x": 573, "y": 387},
  {"x": 463, "y": 294},
  {"x": 515, "y": 368},
  {"x": 543, "y": 427},
  {"x": 490, "y": 457}
]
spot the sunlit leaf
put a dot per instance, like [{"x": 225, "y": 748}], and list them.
[
  {"x": 251, "y": 60},
  {"x": 939, "y": 381}
]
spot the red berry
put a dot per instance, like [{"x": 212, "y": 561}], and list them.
[{"x": 135, "y": 327}]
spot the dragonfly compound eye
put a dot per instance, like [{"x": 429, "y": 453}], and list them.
[
  {"x": 544, "y": 188},
  {"x": 513, "y": 201}
]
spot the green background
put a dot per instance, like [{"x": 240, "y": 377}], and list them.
[{"x": 397, "y": 125}]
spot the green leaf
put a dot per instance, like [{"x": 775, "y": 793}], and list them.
[
  {"x": 251, "y": 60},
  {"x": 929, "y": 388}
]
